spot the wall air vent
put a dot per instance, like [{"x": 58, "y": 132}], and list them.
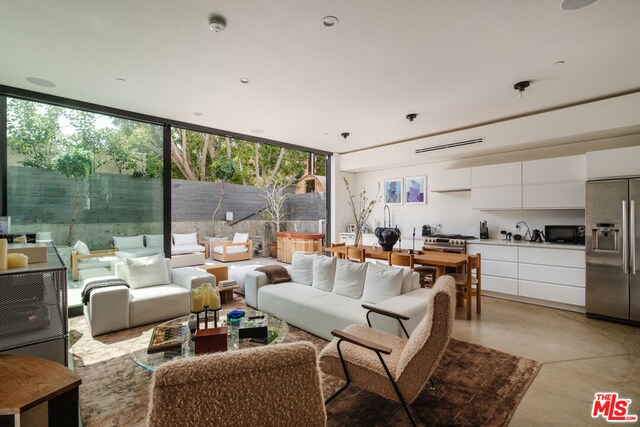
[{"x": 450, "y": 145}]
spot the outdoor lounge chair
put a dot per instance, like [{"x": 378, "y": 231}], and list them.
[{"x": 239, "y": 249}]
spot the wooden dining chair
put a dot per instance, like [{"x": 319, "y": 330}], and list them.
[
  {"x": 340, "y": 255},
  {"x": 427, "y": 273},
  {"x": 356, "y": 254},
  {"x": 470, "y": 285},
  {"x": 401, "y": 259}
]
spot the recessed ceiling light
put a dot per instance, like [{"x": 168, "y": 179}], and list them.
[
  {"x": 197, "y": 113},
  {"x": 559, "y": 63},
  {"x": 575, "y": 4},
  {"x": 330, "y": 21},
  {"x": 217, "y": 23},
  {"x": 244, "y": 80},
  {"x": 256, "y": 131},
  {"x": 120, "y": 79},
  {"x": 40, "y": 82}
]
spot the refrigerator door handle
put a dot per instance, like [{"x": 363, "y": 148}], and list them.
[
  {"x": 625, "y": 234},
  {"x": 632, "y": 219}
]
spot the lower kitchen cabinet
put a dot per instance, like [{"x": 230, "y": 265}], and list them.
[
  {"x": 502, "y": 285},
  {"x": 550, "y": 292}
]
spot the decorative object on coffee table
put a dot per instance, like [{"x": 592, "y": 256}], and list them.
[{"x": 211, "y": 340}]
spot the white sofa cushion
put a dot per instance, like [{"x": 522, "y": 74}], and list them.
[
  {"x": 97, "y": 262},
  {"x": 146, "y": 271},
  {"x": 381, "y": 283},
  {"x": 81, "y": 248},
  {"x": 185, "y": 239},
  {"x": 128, "y": 242},
  {"x": 186, "y": 249},
  {"x": 156, "y": 240},
  {"x": 301, "y": 268},
  {"x": 219, "y": 249},
  {"x": 239, "y": 273},
  {"x": 324, "y": 272},
  {"x": 349, "y": 279},
  {"x": 240, "y": 238},
  {"x": 156, "y": 303}
]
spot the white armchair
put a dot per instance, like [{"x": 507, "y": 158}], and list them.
[
  {"x": 118, "y": 307},
  {"x": 239, "y": 249}
]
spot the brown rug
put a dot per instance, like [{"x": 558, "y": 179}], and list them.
[{"x": 474, "y": 385}]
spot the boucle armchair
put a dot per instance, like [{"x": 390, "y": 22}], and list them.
[
  {"x": 264, "y": 386},
  {"x": 394, "y": 367}
]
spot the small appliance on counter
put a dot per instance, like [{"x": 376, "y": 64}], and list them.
[
  {"x": 426, "y": 230},
  {"x": 570, "y": 234},
  {"x": 537, "y": 236},
  {"x": 484, "y": 230}
]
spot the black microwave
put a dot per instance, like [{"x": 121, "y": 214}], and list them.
[{"x": 571, "y": 234}]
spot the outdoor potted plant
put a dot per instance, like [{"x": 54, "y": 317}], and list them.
[{"x": 275, "y": 197}]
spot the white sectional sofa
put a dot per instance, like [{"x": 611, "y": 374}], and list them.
[
  {"x": 118, "y": 307},
  {"x": 318, "y": 309}
]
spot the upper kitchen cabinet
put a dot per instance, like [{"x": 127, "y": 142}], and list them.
[
  {"x": 451, "y": 180},
  {"x": 557, "y": 183},
  {"x": 616, "y": 163},
  {"x": 497, "y": 187}
]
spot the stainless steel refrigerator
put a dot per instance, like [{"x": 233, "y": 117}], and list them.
[{"x": 613, "y": 249}]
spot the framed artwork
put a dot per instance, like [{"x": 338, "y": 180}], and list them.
[
  {"x": 5, "y": 225},
  {"x": 393, "y": 191},
  {"x": 415, "y": 190}
]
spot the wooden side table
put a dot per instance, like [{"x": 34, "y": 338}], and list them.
[
  {"x": 28, "y": 381},
  {"x": 226, "y": 294},
  {"x": 220, "y": 271}
]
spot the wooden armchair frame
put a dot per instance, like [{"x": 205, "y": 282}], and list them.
[
  {"x": 75, "y": 258},
  {"x": 225, "y": 257}
]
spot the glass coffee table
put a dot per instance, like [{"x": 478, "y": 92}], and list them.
[{"x": 278, "y": 330}]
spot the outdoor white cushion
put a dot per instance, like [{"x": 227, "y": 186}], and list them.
[
  {"x": 381, "y": 283},
  {"x": 241, "y": 238},
  {"x": 154, "y": 240},
  {"x": 301, "y": 268},
  {"x": 186, "y": 249},
  {"x": 349, "y": 279},
  {"x": 185, "y": 239},
  {"x": 231, "y": 249},
  {"x": 128, "y": 242},
  {"x": 98, "y": 262},
  {"x": 324, "y": 272},
  {"x": 146, "y": 271},
  {"x": 81, "y": 248}
]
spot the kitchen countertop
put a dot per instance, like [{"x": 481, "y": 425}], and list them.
[{"x": 526, "y": 244}]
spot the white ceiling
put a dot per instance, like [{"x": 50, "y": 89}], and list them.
[{"x": 452, "y": 62}]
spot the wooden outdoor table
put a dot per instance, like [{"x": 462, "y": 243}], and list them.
[
  {"x": 28, "y": 381},
  {"x": 440, "y": 260}
]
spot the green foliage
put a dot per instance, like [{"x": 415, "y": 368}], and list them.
[
  {"x": 223, "y": 169},
  {"x": 75, "y": 163}
]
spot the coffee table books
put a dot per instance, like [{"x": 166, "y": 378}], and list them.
[{"x": 167, "y": 337}]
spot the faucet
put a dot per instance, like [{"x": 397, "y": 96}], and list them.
[{"x": 386, "y": 209}]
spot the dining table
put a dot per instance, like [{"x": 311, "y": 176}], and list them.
[{"x": 440, "y": 260}]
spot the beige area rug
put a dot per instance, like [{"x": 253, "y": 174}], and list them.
[{"x": 474, "y": 385}]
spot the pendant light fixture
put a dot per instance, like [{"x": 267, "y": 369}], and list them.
[{"x": 521, "y": 86}]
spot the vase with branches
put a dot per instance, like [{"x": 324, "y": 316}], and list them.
[
  {"x": 275, "y": 197},
  {"x": 361, "y": 209}
]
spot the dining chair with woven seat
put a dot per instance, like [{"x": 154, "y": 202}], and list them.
[
  {"x": 393, "y": 367},
  {"x": 469, "y": 285}
]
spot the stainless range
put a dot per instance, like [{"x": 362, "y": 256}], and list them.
[{"x": 450, "y": 242}]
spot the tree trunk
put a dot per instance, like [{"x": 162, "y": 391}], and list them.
[
  {"x": 213, "y": 217},
  {"x": 203, "y": 157},
  {"x": 178, "y": 156},
  {"x": 228, "y": 144},
  {"x": 75, "y": 212},
  {"x": 257, "y": 165},
  {"x": 275, "y": 169}
]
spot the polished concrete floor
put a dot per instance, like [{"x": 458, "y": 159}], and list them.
[{"x": 580, "y": 357}]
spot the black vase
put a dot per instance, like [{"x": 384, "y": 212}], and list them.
[{"x": 387, "y": 237}]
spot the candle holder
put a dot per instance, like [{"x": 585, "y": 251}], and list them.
[
  {"x": 206, "y": 316},
  {"x": 197, "y": 313}
]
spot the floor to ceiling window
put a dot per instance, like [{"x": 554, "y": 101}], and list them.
[{"x": 78, "y": 176}]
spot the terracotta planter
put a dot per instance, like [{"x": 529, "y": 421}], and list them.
[{"x": 273, "y": 249}]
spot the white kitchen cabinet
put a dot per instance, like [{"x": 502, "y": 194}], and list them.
[
  {"x": 501, "y": 285},
  {"x": 558, "y": 169},
  {"x": 615, "y": 163},
  {"x": 348, "y": 238},
  {"x": 550, "y": 292},
  {"x": 497, "y": 198},
  {"x": 494, "y": 252},
  {"x": 497, "y": 175},
  {"x": 499, "y": 268},
  {"x": 552, "y": 274},
  {"x": 450, "y": 180},
  {"x": 551, "y": 256},
  {"x": 559, "y": 195}
]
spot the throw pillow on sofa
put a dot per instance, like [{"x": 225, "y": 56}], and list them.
[
  {"x": 185, "y": 239},
  {"x": 146, "y": 271},
  {"x": 381, "y": 283},
  {"x": 324, "y": 272},
  {"x": 349, "y": 279},
  {"x": 408, "y": 282},
  {"x": 81, "y": 248},
  {"x": 128, "y": 242},
  {"x": 155, "y": 240},
  {"x": 302, "y": 268}
]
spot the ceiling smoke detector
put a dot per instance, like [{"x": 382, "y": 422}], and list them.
[
  {"x": 345, "y": 135},
  {"x": 411, "y": 117},
  {"x": 217, "y": 24},
  {"x": 330, "y": 21}
]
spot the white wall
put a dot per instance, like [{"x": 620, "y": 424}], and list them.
[
  {"x": 340, "y": 212},
  {"x": 453, "y": 210}
]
